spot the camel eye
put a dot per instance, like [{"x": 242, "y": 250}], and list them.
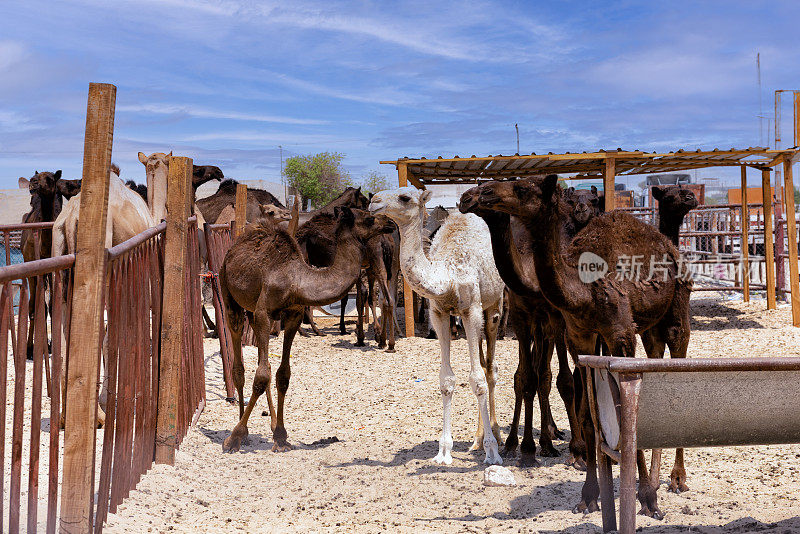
[{"x": 404, "y": 198}]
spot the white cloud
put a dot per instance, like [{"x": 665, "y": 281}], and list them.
[
  {"x": 11, "y": 53},
  {"x": 203, "y": 113}
]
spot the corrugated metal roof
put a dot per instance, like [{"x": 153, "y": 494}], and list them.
[{"x": 471, "y": 169}]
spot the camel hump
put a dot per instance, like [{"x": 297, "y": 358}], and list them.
[
  {"x": 462, "y": 231},
  {"x": 616, "y": 234}
]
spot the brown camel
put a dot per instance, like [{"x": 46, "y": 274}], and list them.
[
  {"x": 265, "y": 276},
  {"x": 212, "y": 206},
  {"x": 674, "y": 202},
  {"x": 317, "y": 240},
  {"x": 539, "y": 327},
  {"x": 614, "y": 307},
  {"x": 48, "y": 191}
]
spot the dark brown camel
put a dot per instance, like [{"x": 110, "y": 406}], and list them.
[
  {"x": 538, "y": 326},
  {"x": 674, "y": 202},
  {"x": 317, "y": 240},
  {"x": 616, "y": 309},
  {"x": 265, "y": 276},
  {"x": 48, "y": 191},
  {"x": 225, "y": 195}
]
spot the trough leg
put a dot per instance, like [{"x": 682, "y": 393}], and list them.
[
  {"x": 630, "y": 386},
  {"x": 603, "y": 462}
]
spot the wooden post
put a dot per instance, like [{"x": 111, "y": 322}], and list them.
[
  {"x": 791, "y": 234},
  {"x": 241, "y": 209},
  {"x": 769, "y": 245},
  {"x": 86, "y": 330},
  {"x": 745, "y": 252},
  {"x": 179, "y": 187},
  {"x": 797, "y": 118},
  {"x": 408, "y": 295},
  {"x": 608, "y": 184}
]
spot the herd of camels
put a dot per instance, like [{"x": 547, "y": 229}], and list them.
[{"x": 511, "y": 245}]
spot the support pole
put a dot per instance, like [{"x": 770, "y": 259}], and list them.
[
  {"x": 791, "y": 234},
  {"x": 179, "y": 187},
  {"x": 86, "y": 329},
  {"x": 629, "y": 388},
  {"x": 745, "y": 252},
  {"x": 241, "y": 209},
  {"x": 769, "y": 244},
  {"x": 608, "y": 183},
  {"x": 408, "y": 295}
]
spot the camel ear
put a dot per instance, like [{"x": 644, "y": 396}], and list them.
[
  {"x": 57, "y": 175},
  {"x": 142, "y": 158},
  {"x": 424, "y": 196},
  {"x": 571, "y": 190},
  {"x": 345, "y": 214},
  {"x": 549, "y": 185},
  {"x": 70, "y": 188},
  {"x": 658, "y": 193},
  {"x": 170, "y": 154},
  {"x": 24, "y": 183},
  {"x": 594, "y": 190}
]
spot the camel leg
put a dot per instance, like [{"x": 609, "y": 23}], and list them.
[
  {"x": 548, "y": 427},
  {"x": 342, "y": 329},
  {"x": 308, "y": 311},
  {"x": 292, "y": 322},
  {"x": 565, "y": 384},
  {"x": 585, "y": 344},
  {"x": 473, "y": 320},
  {"x": 491, "y": 327},
  {"x": 447, "y": 382},
  {"x": 262, "y": 325},
  {"x": 647, "y": 491},
  {"x": 678, "y": 341},
  {"x": 526, "y": 381},
  {"x": 360, "y": 311}
]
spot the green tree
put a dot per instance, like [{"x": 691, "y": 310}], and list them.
[
  {"x": 374, "y": 182},
  {"x": 796, "y": 195},
  {"x": 317, "y": 178}
]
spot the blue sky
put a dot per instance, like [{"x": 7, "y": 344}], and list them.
[{"x": 227, "y": 81}]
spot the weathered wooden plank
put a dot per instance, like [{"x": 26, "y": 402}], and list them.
[
  {"x": 745, "y": 218},
  {"x": 86, "y": 330},
  {"x": 172, "y": 316},
  {"x": 791, "y": 232}
]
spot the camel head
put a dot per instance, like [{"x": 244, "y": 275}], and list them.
[
  {"x": 402, "y": 205},
  {"x": 41, "y": 183},
  {"x": 275, "y": 213},
  {"x": 583, "y": 204},
  {"x": 675, "y": 200},
  {"x": 529, "y": 198},
  {"x": 363, "y": 225},
  {"x": 205, "y": 173},
  {"x": 155, "y": 161}
]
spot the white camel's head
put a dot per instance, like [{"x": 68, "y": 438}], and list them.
[
  {"x": 401, "y": 205},
  {"x": 156, "y": 160}
]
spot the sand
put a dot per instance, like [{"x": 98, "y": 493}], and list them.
[{"x": 385, "y": 411}]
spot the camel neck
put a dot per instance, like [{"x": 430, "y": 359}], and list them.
[
  {"x": 321, "y": 286},
  {"x": 417, "y": 268},
  {"x": 670, "y": 225},
  {"x": 157, "y": 193},
  {"x": 558, "y": 281},
  {"x": 507, "y": 257}
]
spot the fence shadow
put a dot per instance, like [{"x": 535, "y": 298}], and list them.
[{"x": 717, "y": 316}]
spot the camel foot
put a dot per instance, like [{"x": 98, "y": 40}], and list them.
[
  {"x": 547, "y": 449},
  {"x": 528, "y": 446},
  {"x": 390, "y": 350},
  {"x": 477, "y": 444},
  {"x": 492, "y": 452},
  {"x": 101, "y": 419},
  {"x": 234, "y": 442},
  {"x": 342, "y": 330},
  {"x": 359, "y": 343},
  {"x": 431, "y": 335},
  {"x": 559, "y": 434},
  {"x": 677, "y": 483},
  {"x": 512, "y": 441},
  {"x": 279, "y": 436},
  {"x": 444, "y": 457},
  {"x": 577, "y": 462},
  {"x": 648, "y": 499},
  {"x": 586, "y": 508}
]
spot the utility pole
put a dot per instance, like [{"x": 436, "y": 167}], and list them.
[
  {"x": 516, "y": 127},
  {"x": 283, "y": 179}
]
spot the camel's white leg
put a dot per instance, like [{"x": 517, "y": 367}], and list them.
[
  {"x": 473, "y": 324},
  {"x": 447, "y": 382}
]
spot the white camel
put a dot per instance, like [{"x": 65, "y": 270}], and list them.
[
  {"x": 127, "y": 216},
  {"x": 459, "y": 277}
]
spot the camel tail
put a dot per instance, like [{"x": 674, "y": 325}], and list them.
[{"x": 234, "y": 314}]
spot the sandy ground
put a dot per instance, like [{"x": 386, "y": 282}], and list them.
[{"x": 385, "y": 410}]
